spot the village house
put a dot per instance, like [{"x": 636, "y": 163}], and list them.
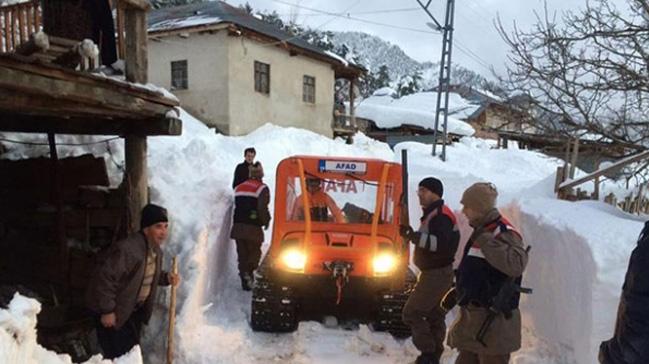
[{"x": 236, "y": 72}]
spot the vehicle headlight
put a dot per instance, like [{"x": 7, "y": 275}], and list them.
[
  {"x": 384, "y": 263},
  {"x": 294, "y": 259}
]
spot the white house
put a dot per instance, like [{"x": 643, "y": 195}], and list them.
[{"x": 237, "y": 72}]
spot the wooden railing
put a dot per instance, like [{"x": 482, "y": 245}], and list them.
[{"x": 17, "y": 23}]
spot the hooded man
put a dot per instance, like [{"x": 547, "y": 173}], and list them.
[
  {"x": 251, "y": 200},
  {"x": 493, "y": 257},
  {"x": 122, "y": 290},
  {"x": 435, "y": 243}
]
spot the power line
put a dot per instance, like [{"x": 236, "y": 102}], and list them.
[
  {"x": 388, "y": 11},
  {"x": 355, "y": 18}
]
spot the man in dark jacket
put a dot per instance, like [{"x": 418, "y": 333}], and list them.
[
  {"x": 630, "y": 342},
  {"x": 251, "y": 200},
  {"x": 242, "y": 173},
  {"x": 435, "y": 243},
  {"x": 493, "y": 257},
  {"x": 122, "y": 290}
]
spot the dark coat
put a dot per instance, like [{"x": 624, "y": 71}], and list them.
[
  {"x": 439, "y": 238},
  {"x": 630, "y": 342},
  {"x": 116, "y": 281},
  {"x": 241, "y": 174},
  {"x": 250, "y": 211}
]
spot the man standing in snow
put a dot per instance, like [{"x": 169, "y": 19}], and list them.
[
  {"x": 242, "y": 173},
  {"x": 251, "y": 200},
  {"x": 630, "y": 342},
  {"x": 122, "y": 290},
  {"x": 435, "y": 243},
  {"x": 494, "y": 260}
]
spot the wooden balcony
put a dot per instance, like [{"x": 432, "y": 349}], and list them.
[{"x": 18, "y": 22}]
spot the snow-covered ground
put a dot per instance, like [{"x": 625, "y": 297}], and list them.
[{"x": 578, "y": 259}]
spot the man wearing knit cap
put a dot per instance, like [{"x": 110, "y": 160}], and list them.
[
  {"x": 435, "y": 244},
  {"x": 493, "y": 257},
  {"x": 251, "y": 213},
  {"x": 122, "y": 290}
]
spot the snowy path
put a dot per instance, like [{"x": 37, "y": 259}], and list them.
[{"x": 579, "y": 256}]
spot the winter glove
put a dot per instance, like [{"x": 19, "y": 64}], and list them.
[{"x": 408, "y": 233}]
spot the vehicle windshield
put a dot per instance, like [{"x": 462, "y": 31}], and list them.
[{"x": 347, "y": 200}]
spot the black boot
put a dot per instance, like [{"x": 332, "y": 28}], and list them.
[
  {"x": 427, "y": 358},
  {"x": 247, "y": 282}
]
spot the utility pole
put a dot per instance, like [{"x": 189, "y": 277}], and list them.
[{"x": 443, "y": 87}]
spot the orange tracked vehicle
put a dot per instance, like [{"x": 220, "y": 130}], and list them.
[{"x": 336, "y": 248}]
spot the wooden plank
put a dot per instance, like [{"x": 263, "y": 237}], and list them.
[
  {"x": 29, "y": 174},
  {"x": 89, "y": 126},
  {"x": 136, "y": 178},
  {"x": 136, "y": 46},
  {"x": 21, "y": 24},
  {"x": 83, "y": 93},
  {"x": 29, "y": 17},
  {"x": 25, "y": 64},
  {"x": 8, "y": 37},
  {"x": 37, "y": 15},
  {"x": 603, "y": 171},
  {"x": 142, "y": 5},
  {"x": 120, "y": 31}
]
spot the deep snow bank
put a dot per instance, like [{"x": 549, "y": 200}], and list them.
[{"x": 18, "y": 338}]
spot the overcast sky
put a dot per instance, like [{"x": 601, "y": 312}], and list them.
[{"x": 477, "y": 44}]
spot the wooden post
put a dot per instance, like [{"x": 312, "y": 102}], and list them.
[
  {"x": 135, "y": 145},
  {"x": 558, "y": 180},
  {"x": 57, "y": 195},
  {"x": 172, "y": 315},
  {"x": 566, "y": 159},
  {"x": 596, "y": 191},
  {"x": 573, "y": 159},
  {"x": 136, "y": 177},
  {"x": 136, "y": 45},
  {"x": 352, "y": 111}
]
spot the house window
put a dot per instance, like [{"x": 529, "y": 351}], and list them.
[
  {"x": 262, "y": 77},
  {"x": 179, "y": 75},
  {"x": 308, "y": 89}
]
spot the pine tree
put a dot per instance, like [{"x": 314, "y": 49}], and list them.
[{"x": 382, "y": 78}]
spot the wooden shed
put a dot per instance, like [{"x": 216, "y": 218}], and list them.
[{"x": 57, "y": 214}]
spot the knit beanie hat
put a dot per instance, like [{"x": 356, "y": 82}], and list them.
[
  {"x": 480, "y": 197},
  {"x": 433, "y": 185},
  {"x": 153, "y": 214},
  {"x": 256, "y": 171}
]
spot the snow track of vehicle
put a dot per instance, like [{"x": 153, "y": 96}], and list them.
[
  {"x": 273, "y": 307},
  {"x": 390, "y": 309}
]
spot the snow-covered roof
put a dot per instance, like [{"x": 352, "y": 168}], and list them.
[
  {"x": 11, "y": 2},
  {"x": 217, "y": 12},
  {"x": 417, "y": 109},
  {"x": 385, "y": 91}
]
